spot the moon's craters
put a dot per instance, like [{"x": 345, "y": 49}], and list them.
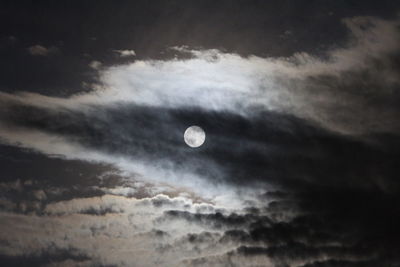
[{"x": 194, "y": 136}]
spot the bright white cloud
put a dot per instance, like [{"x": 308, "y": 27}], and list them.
[
  {"x": 225, "y": 81},
  {"x": 125, "y": 53}
]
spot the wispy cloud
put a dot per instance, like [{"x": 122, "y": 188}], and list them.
[{"x": 330, "y": 91}]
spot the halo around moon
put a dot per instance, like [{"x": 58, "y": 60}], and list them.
[{"x": 194, "y": 136}]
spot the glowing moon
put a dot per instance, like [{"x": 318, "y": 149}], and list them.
[{"x": 194, "y": 136}]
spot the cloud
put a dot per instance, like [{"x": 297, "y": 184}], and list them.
[
  {"x": 85, "y": 225},
  {"x": 271, "y": 123},
  {"x": 112, "y": 135},
  {"x": 95, "y": 64},
  {"x": 334, "y": 90},
  {"x": 39, "y": 50},
  {"x": 295, "y": 95},
  {"x": 125, "y": 53},
  {"x": 177, "y": 231},
  {"x": 48, "y": 257}
]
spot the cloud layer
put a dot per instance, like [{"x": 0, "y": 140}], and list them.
[{"x": 299, "y": 167}]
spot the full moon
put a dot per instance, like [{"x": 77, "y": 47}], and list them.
[{"x": 194, "y": 136}]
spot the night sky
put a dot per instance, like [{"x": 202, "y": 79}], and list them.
[{"x": 299, "y": 102}]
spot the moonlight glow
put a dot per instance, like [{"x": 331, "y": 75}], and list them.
[{"x": 194, "y": 136}]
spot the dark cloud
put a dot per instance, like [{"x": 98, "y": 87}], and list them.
[
  {"x": 32, "y": 166},
  {"x": 350, "y": 228},
  {"x": 266, "y": 148},
  {"x": 50, "y": 256}
]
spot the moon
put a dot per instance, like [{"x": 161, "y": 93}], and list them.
[{"x": 194, "y": 136}]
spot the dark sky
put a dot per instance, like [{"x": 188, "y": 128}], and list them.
[{"x": 299, "y": 101}]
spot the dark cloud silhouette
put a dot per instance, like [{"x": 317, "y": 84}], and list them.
[{"x": 51, "y": 256}]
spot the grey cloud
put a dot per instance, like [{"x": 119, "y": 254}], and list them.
[
  {"x": 319, "y": 235},
  {"x": 327, "y": 237},
  {"x": 237, "y": 153},
  {"x": 301, "y": 85},
  {"x": 95, "y": 64},
  {"x": 39, "y": 50},
  {"x": 348, "y": 263},
  {"x": 217, "y": 219},
  {"x": 86, "y": 225},
  {"x": 51, "y": 256},
  {"x": 271, "y": 122}
]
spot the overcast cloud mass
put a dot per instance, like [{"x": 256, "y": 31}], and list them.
[{"x": 299, "y": 102}]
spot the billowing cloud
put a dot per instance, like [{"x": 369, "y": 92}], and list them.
[
  {"x": 175, "y": 231},
  {"x": 130, "y": 228}
]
